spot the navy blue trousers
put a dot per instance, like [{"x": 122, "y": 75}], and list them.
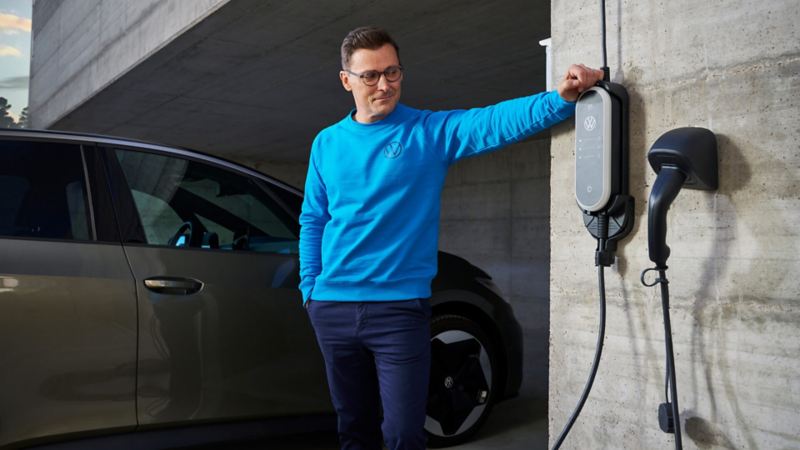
[{"x": 377, "y": 354}]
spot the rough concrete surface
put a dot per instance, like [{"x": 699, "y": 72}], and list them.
[
  {"x": 81, "y": 46},
  {"x": 731, "y": 67}
]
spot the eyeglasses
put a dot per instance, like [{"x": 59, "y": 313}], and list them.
[{"x": 371, "y": 77}]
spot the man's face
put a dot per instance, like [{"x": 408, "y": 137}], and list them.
[{"x": 373, "y": 103}]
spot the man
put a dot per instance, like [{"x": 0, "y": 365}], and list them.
[{"x": 368, "y": 242}]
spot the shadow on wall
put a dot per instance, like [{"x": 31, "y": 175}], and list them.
[
  {"x": 647, "y": 334},
  {"x": 637, "y": 172},
  {"x": 734, "y": 175},
  {"x": 754, "y": 296},
  {"x": 705, "y": 434}
]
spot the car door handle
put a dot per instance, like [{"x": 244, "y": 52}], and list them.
[{"x": 173, "y": 286}]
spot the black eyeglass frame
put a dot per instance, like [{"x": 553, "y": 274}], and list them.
[{"x": 363, "y": 75}]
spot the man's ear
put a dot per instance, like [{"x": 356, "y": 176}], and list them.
[{"x": 345, "y": 81}]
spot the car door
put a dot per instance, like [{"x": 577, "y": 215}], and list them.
[
  {"x": 67, "y": 298},
  {"x": 222, "y": 331}
]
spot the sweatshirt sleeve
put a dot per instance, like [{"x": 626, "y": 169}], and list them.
[
  {"x": 464, "y": 133},
  {"x": 313, "y": 217}
]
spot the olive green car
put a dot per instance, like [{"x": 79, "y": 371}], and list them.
[{"x": 149, "y": 293}]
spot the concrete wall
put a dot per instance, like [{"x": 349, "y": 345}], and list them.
[
  {"x": 495, "y": 213},
  {"x": 292, "y": 173},
  {"x": 81, "y": 46},
  {"x": 731, "y": 67}
]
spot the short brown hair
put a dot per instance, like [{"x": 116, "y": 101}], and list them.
[{"x": 369, "y": 37}]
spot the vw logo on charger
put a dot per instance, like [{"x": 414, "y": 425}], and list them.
[{"x": 589, "y": 123}]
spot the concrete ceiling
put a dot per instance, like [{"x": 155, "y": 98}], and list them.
[{"x": 256, "y": 80}]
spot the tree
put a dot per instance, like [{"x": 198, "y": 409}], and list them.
[
  {"x": 23, "y": 118},
  {"x": 6, "y": 121}
]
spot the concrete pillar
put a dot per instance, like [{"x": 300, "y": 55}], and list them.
[{"x": 734, "y": 272}]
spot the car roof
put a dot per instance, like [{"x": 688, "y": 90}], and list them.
[{"x": 71, "y": 136}]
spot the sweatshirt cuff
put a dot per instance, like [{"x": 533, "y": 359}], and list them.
[{"x": 558, "y": 100}]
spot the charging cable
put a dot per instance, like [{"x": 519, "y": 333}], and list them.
[
  {"x": 604, "y": 256},
  {"x": 668, "y": 412}
]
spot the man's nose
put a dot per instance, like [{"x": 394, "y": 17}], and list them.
[{"x": 383, "y": 83}]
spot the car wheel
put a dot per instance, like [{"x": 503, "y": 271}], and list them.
[{"x": 462, "y": 380}]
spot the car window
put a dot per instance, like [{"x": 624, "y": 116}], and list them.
[
  {"x": 159, "y": 219},
  {"x": 43, "y": 191},
  {"x": 290, "y": 200},
  {"x": 186, "y": 203}
]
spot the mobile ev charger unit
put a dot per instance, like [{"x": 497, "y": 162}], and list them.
[
  {"x": 683, "y": 157},
  {"x": 601, "y": 187}
]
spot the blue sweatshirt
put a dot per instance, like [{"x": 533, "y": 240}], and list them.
[{"x": 370, "y": 217}]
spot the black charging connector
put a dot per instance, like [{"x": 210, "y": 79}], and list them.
[
  {"x": 683, "y": 157},
  {"x": 609, "y": 227}
]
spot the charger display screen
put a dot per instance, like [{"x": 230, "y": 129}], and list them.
[{"x": 591, "y": 161}]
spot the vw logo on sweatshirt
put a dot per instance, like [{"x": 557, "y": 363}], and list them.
[{"x": 393, "y": 150}]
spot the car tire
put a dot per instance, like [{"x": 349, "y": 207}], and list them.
[{"x": 463, "y": 380}]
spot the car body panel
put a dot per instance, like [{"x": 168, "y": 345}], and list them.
[
  {"x": 240, "y": 347},
  {"x": 68, "y": 328}
]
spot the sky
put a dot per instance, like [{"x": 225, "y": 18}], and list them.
[{"x": 15, "y": 52}]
